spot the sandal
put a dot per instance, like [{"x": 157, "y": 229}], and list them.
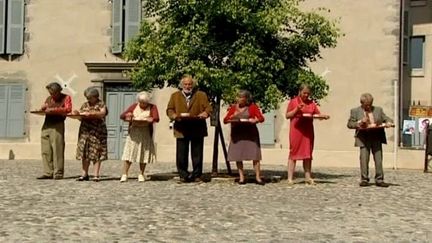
[
  {"x": 96, "y": 179},
  {"x": 310, "y": 182}
]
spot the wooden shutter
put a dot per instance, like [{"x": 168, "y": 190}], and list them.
[
  {"x": 117, "y": 26},
  {"x": 267, "y": 129},
  {"x": 15, "y": 27},
  {"x": 2, "y": 25},
  {"x": 132, "y": 18},
  {"x": 112, "y": 123},
  {"x": 16, "y": 111},
  {"x": 3, "y": 109}
]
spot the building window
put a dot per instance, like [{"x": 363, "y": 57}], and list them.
[
  {"x": 415, "y": 3},
  {"x": 126, "y": 20},
  {"x": 417, "y": 52},
  {"x": 11, "y": 27},
  {"x": 12, "y": 110}
]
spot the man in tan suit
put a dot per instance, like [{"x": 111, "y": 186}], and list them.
[
  {"x": 369, "y": 122},
  {"x": 189, "y": 108}
]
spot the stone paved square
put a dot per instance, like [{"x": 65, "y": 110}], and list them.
[{"x": 161, "y": 210}]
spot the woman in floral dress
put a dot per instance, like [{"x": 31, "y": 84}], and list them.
[{"x": 92, "y": 136}]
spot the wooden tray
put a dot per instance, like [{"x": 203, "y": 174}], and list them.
[
  {"x": 237, "y": 121},
  {"x": 75, "y": 116},
  {"x": 375, "y": 127},
  {"x": 139, "y": 121},
  {"x": 41, "y": 113},
  {"x": 188, "y": 118},
  {"x": 314, "y": 116}
]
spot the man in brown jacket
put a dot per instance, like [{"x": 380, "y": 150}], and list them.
[{"x": 189, "y": 108}]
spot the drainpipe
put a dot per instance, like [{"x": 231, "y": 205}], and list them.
[
  {"x": 398, "y": 87},
  {"x": 396, "y": 122}
]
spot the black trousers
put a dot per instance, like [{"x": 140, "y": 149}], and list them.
[{"x": 182, "y": 156}]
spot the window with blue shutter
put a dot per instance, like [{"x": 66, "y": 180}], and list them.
[
  {"x": 267, "y": 129},
  {"x": 126, "y": 20},
  {"x": 12, "y": 105},
  {"x": 16, "y": 111},
  {"x": 132, "y": 18},
  {"x": 2, "y": 26},
  {"x": 117, "y": 26},
  {"x": 11, "y": 27},
  {"x": 3, "y": 110},
  {"x": 15, "y": 27}
]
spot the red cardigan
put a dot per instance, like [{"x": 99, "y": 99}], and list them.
[
  {"x": 153, "y": 112},
  {"x": 254, "y": 112}
]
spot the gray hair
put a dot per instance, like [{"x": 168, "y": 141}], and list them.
[
  {"x": 143, "y": 96},
  {"x": 304, "y": 86},
  {"x": 246, "y": 94},
  {"x": 187, "y": 77},
  {"x": 54, "y": 87},
  {"x": 91, "y": 92},
  {"x": 366, "y": 97}
]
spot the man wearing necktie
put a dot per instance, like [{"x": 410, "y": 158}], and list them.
[
  {"x": 369, "y": 122},
  {"x": 189, "y": 108}
]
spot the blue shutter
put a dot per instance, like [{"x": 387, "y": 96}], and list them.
[
  {"x": 15, "y": 27},
  {"x": 117, "y": 27},
  {"x": 16, "y": 111},
  {"x": 3, "y": 109},
  {"x": 132, "y": 18},
  {"x": 127, "y": 99},
  {"x": 267, "y": 129},
  {"x": 112, "y": 123},
  {"x": 2, "y": 25}
]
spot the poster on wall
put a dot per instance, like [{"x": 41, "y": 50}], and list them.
[
  {"x": 408, "y": 126},
  {"x": 423, "y": 122}
]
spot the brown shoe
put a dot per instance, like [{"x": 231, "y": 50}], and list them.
[
  {"x": 44, "y": 177},
  {"x": 382, "y": 184},
  {"x": 364, "y": 183}
]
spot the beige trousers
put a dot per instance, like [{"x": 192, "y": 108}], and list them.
[{"x": 53, "y": 145}]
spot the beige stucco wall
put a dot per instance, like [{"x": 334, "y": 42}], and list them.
[{"x": 64, "y": 34}]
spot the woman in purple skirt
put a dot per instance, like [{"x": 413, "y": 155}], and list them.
[{"x": 245, "y": 142}]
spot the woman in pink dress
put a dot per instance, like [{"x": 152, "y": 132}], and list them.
[{"x": 301, "y": 111}]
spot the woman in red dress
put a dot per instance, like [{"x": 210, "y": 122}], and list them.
[{"x": 301, "y": 111}]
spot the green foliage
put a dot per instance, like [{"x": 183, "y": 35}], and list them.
[{"x": 263, "y": 46}]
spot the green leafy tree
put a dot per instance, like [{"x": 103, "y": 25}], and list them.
[{"x": 263, "y": 46}]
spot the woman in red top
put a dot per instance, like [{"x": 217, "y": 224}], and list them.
[
  {"x": 245, "y": 142},
  {"x": 300, "y": 112}
]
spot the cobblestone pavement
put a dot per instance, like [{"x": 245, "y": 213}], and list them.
[{"x": 162, "y": 210}]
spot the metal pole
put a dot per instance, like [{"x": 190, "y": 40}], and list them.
[
  {"x": 426, "y": 160},
  {"x": 216, "y": 137},
  {"x": 396, "y": 123}
]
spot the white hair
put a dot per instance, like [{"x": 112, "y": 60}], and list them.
[
  {"x": 188, "y": 77},
  {"x": 143, "y": 96}
]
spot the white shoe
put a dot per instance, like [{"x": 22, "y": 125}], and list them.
[
  {"x": 141, "y": 178},
  {"x": 123, "y": 178}
]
